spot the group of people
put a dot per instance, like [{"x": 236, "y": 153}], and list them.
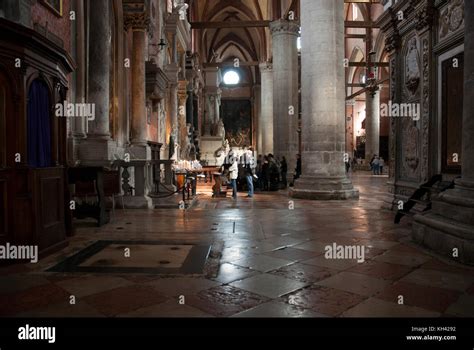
[
  {"x": 271, "y": 172},
  {"x": 267, "y": 173},
  {"x": 377, "y": 164},
  {"x": 245, "y": 165}
]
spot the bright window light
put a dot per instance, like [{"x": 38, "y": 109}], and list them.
[
  {"x": 298, "y": 43},
  {"x": 231, "y": 77}
]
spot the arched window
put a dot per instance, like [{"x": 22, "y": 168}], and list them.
[{"x": 231, "y": 77}]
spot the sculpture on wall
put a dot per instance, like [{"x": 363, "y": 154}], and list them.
[
  {"x": 412, "y": 67},
  {"x": 186, "y": 146},
  {"x": 221, "y": 153},
  {"x": 220, "y": 129},
  {"x": 173, "y": 145},
  {"x": 452, "y": 18}
]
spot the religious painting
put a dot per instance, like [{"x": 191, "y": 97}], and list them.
[
  {"x": 56, "y": 6},
  {"x": 237, "y": 118}
]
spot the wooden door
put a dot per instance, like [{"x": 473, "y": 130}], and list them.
[{"x": 452, "y": 113}]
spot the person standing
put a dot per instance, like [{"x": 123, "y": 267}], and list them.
[
  {"x": 249, "y": 169},
  {"x": 265, "y": 173},
  {"x": 381, "y": 165},
  {"x": 233, "y": 174},
  {"x": 371, "y": 164},
  {"x": 284, "y": 171},
  {"x": 298, "y": 167},
  {"x": 375, "y": 166},
  {"x": 259, "y": 171}
]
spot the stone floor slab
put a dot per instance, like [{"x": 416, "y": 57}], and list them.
[
  {"x": 270, "y": 286},
  {"x": 278, "y": 309},
  {"x": 262, "y": 263},
  {"x": 374, "y": 307},
  {"x": 355, "y": 283},
  {"x": 440, "y": 279}
]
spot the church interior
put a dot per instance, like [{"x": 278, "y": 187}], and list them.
[{"x": 244, "y": 158}]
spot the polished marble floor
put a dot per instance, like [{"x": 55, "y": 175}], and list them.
[{"x": 272, "y": 264}]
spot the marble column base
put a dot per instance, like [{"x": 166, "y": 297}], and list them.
[
  {"x": 139, "y": 152},
  {"x": 324, "y": 188},
  {"x": 96, "y": 151},
  {"x": 450, "y": 224},
  {"x": 137, "y": 202}
]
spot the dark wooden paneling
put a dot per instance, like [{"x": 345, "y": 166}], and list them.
[{"x": 49, "y": 206}]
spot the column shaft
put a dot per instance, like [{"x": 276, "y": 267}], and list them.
[
  {"x": 174, "y": 107},
  {"x": 99, "y": 67},
  {"x": 79, "y": 125},
  {"x": 257, "y": 110},
  {"x": 372, "y": 125},
  {"x": 139, "y": 123},
  {"x": 266, "y": 109},
  {"x": 285, "y": 91},
  {"x": 323, "y": 103}
]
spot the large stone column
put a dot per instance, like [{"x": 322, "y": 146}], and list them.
[
  {"x": 99, "y": 68},
  {"x": 323, "y": 103},
  {"x": 97, "y": 149},
  {"x": 372, "y": 124},
  {"x": 449, "y": 227},
  {"x": 139, "y": 122},
  {"x": 285, "y": 91},
  {"x": 266, "y": 110},
  {"x": 257, "y": 115},
  {"x": 79, "y": 124},
  {"x": 139, "y": 151},
  {"x": 173, "y": 88}
]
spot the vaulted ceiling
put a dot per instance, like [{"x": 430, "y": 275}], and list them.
[
  {"x": 222, "y": 44},
  {"x": 248, "y": 44}
]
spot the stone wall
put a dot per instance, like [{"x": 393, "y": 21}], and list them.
[
  {"x": 58, "y": 27},
  {"x": 417, "y": 32}
]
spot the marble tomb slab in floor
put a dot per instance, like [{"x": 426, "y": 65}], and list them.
[{"x": 157, "y": 257}]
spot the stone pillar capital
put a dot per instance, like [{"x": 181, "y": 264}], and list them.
[
  {"x": 283, "y": 26},
  {"x": 137, "y": 21}
]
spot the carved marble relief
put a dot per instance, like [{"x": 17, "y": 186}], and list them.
[
  {"x": 410, "y": 149},
  {"x": 425, "y": 108},
  {"x": 393, "y": 126},
  {"x": 451, "y": 18},
  {"x": 412, "y": 68}
]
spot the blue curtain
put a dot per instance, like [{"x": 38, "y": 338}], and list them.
[{"x": 39, "y": 126}]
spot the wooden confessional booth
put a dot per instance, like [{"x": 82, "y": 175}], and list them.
[{"x": 33, "y": 78}]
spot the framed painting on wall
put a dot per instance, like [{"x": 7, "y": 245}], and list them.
[
  {"x": 237, "y": 118},
  {"x": 55, "y": 6}
]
